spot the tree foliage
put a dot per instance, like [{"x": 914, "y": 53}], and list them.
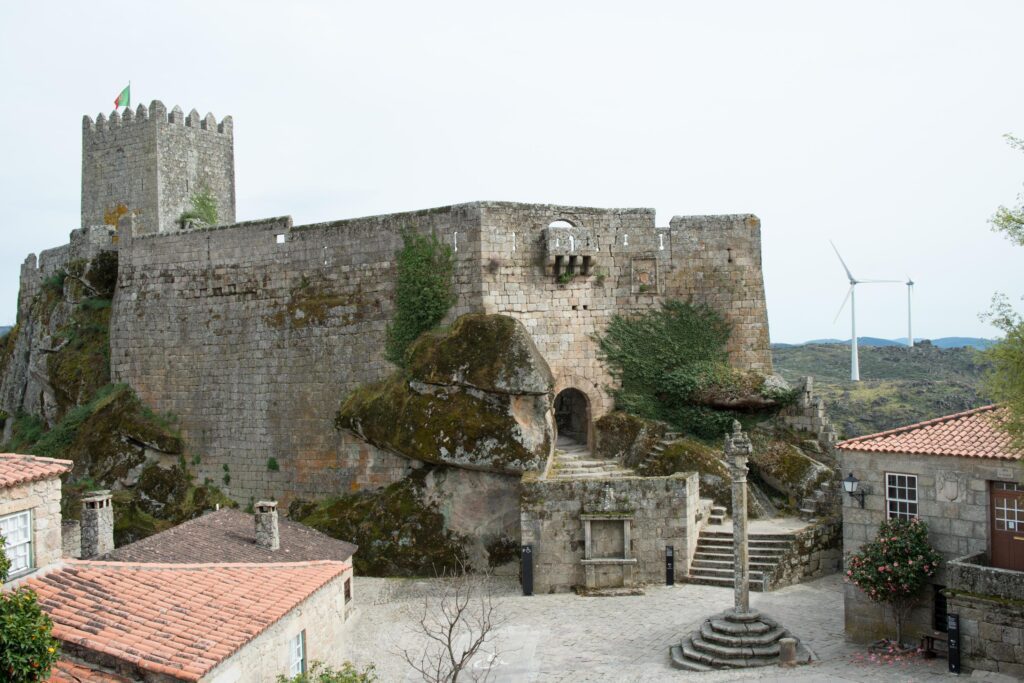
[
  {"x": 672, "y": 365},
  {"x": 27, "y": 648},
  {"x": 321, "y": 673},
  {"x": 423, "y": 291},
  {"x": 1005, "y": 381},
  {"x": 1010, "y": 220},
  {"x": 892, "y": 569}
]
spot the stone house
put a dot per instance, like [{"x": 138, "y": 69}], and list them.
[
  {"x": 30, "y": 520},
  {"x": 216, "y": 623},
  {"x": 962, "y": 475}
]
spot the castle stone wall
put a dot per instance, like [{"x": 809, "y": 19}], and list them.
[
  {"x": 254, "y": 333},
  {"x": 153, "y": 161}
]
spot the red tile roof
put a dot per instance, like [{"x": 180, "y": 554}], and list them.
[
  {"x": 230, "y": 536},
  {"x": 175, "y": 619},
  {"x": 66, "y": 671},
  {"x": 19, "y": 469},
  {"x": 970, "y": 434}
]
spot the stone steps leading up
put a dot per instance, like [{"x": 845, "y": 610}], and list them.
[
  {"x": 714, "y": 560},
  {"x": 575, "y": 461}
]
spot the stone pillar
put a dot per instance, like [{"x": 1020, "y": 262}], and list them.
[
  {"x": 737, "y": 449},
  {"x": 267, "y": 534},
  {"x": 97, "y": 525}
]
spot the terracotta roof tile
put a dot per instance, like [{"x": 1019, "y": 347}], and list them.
[
  {"x": 230, "y": 536},
  {"x": 970, "y": 434},
  {"x": 176, "y": 619},
  {"x": 19, "y": 469},
  {"x": 67, "y": 671}
]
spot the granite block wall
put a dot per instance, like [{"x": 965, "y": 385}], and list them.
[
  {"x": 663, "y": 513},
  {"x": 42, "y": 497}
]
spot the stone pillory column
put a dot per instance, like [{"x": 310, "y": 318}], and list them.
[
  {"x": 267, "y": 534},
  {"x": 97, "y": 524},
  {"x": 737, "y": 449}
]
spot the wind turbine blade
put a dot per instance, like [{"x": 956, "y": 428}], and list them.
[
  {"x": 875, "y": 282},
  {"x": 848, "y": 273},
  {"x": 843, "y": 305}
]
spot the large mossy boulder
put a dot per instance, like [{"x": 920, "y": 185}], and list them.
[
  {"x": 691, "y": 455},
  {"x": 477, "y": 396},
  {"x": 626, "y": 437}
]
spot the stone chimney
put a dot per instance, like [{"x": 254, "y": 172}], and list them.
[
  {"x": 97, "y": 524},
  {"x": 267, "y": 535}
]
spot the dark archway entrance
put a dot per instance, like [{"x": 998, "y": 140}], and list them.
[{"x": 572, "y": 416}]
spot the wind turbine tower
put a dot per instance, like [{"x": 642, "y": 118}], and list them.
[
  {"x": 852, "y": 298},
  {"x": 910, "y": 329}
]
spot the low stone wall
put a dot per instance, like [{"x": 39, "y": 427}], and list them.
[
  {"x": 662, "y": 512},
  {"x": 992, "y": 632},
  {"x": 816, "y": 552},
  {"x": 990, "y": 603}
]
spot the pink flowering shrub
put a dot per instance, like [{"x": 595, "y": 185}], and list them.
[{"x": 893, "y": 567}]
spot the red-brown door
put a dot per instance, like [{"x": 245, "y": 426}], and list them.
[{"x": 1006, "y": 501}]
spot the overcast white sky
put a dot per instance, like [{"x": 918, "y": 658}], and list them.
[{"x": 876, "y": 124}]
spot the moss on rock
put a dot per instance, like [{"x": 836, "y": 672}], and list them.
[
  {"x": 438, "y": 411},
  {"x": 492, "y": 353},
  {"x": 691, "y": 455},
  {"x": 626, "y": 437},
  {"x": 397, "y": 533}
]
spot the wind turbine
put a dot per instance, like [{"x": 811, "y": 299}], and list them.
[
  {"x": 851, "y": 296},
  {"x": 910, "y": 332}
]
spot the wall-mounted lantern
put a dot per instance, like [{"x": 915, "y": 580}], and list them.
[{"x": 852, "y": 486}]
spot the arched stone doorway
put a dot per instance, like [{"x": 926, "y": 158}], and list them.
[{"x": 572, "y": 416}]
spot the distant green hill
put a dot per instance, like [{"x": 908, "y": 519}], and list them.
[
  {"x": 898, "y": 386},
  {"x": 941, "y": 342}
]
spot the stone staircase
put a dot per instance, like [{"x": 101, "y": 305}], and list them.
[
  {"x": 732, "y": 640},
  {"x": 713, "y": 561},
  {"x": 818, "y": 503},
  {"x": 574, "y": 461},
  {"x": 659, "y": 448}
]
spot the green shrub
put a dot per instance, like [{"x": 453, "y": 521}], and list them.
[
  {"x": 665, "y": 360},
  {"x": 320, "y": 673},
  {"x": 272, "y": 465},
  {"x": 55, "y": 283},
  {"x": 423, "y": 292},
  {"x": 893, "y": 568},
  {"x": 27, "y": 648},
  {"x": 203, "y": 211}
]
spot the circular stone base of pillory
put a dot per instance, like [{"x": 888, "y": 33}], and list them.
[{"x": 735, "y": 640}]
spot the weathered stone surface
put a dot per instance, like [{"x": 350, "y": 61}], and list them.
[
  {"x": 451, "y": 419},
  {"x": 626, "y": 437}
]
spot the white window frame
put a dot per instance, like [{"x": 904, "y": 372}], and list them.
[
  {"x": 893, "y": 503},
  {"x": 11, "y": 545},
  {"x": 297, "y": 654}
]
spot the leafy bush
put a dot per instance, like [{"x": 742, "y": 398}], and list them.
[
  {"x": 55, "y": 282},
  {"x": 664, "y": 360},
  {"x": 320, "y": 673},
  {"x": 423, "y": 292},
  {"x": 27, "y": 648},
  {"x": 272, "y": 465},
  {"x": 892, "y": 569},
  {"x": 203, "y": 211}
]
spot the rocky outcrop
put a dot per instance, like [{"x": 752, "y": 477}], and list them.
[{"x": 476, "y": 397}]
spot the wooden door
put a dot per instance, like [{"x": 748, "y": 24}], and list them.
[{"x": 1006, "y": 502}]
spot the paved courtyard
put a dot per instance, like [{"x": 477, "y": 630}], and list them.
[{"x": 565, "y": 637}]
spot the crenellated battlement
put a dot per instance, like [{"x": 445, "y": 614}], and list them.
[
  {"x": 151, "y": 161},
  {"x": 156, "y": 113}
]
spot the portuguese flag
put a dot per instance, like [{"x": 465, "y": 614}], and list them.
[{"x": 125, "y": 98}]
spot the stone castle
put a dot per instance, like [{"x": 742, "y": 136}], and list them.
[{"x": 252, "y": 333}]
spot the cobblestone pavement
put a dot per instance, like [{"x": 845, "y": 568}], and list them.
[{"x": 565, "y": 637}]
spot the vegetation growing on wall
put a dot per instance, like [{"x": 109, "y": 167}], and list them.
[
  {"x": 114, "y": 440},
  {"x": 673, "y": 366},
  {"x": 202, "y": 211},
  {"x": 423, "y": 291},
  {"x": 397, "y": 533}
]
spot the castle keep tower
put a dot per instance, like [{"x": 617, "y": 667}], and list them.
[{"x": 153, "y": 162}]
